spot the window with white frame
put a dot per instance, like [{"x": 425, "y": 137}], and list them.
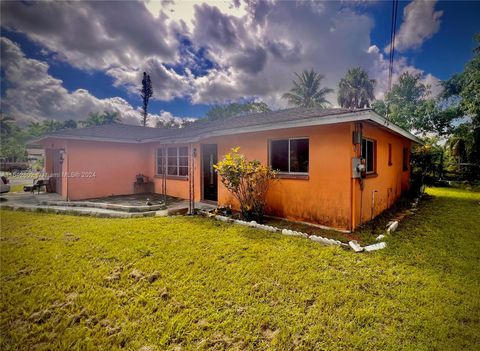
[
  {"x": 174, "y": 160},
  {"x": 368, "y": 153},
  {"x": 290, "y": 155}
]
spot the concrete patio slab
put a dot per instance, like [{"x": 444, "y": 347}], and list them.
[{"x": 130, "y": 206}]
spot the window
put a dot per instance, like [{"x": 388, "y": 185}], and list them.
[
  {"x": 368, "y": 153},
  {"x": 405, "y": 159},
  {"x": 289, "y": 155},
  {"x": 174, "y": 159},
  {"x": 390, "y": 154}
]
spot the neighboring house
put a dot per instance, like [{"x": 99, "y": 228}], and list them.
[
  {"x": 36, "y": 155},
  {"x": 316, "y": 151}
]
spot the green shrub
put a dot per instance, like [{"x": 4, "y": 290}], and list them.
[{"x": 248, "y": 181}]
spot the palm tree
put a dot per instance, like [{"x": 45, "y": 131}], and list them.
[
  {"x": 306, "y": 90},
  {"x": 51, "y": 125},
  {"x": 99, "y": 119},
  {"x": 94, "y": 119},
  {"x": 35, "y": 129},
  {"x": 70, "y": 124},
  {"x": 356, "y": 89},
  {"x": 110, "y": 117}
]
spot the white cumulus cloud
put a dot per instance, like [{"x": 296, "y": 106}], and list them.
[
  {"x": 420, "y": 22},
  {"x": 32, "y": 94},
  {"x": 250, "y": 49}
]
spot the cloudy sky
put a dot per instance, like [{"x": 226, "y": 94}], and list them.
[{"x": 62, "y": 60}]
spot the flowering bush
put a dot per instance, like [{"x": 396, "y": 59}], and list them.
[{"x": 248, "y": 181}]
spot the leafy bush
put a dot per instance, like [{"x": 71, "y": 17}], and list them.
[
  {"x": 427, "y": 165},
  {"x": 248, "y": 181}
]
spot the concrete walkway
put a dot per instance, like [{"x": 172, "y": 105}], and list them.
[{"x": 53, "y": 203}]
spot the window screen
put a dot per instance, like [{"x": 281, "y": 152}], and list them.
[
  {"x": 289, "y": 155},
  {"x": 160, "y": 161},
  {"x": 368, "y": 153},
  {"x": 174, "y": 159},
  {"x": 279, "y": 155}
]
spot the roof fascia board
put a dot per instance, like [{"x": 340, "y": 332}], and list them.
[
  {"x": 341, "y": 118},
  {"x": 314, "y": 121},
  {"x": 393, "y": 127},
  {"x": 71, "y": 137}
]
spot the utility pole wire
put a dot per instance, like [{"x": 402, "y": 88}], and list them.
[{"x": 393, "y": 30}]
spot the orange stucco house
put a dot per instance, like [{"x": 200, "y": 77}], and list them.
[{"x": 317, "y": 152}]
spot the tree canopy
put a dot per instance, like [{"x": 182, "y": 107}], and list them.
[
  {"x": 410, "y": 106},
  {"x": 101, "y": 118},
  {"x": 235, "y": 109},
  {"x": 356, "y": 89},
  {"x": 307, "y": 90}
]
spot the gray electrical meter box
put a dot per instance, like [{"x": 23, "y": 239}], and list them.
[{"x": 356, "y": 167}]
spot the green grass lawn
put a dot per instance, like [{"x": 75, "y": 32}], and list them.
[
  {"x": 66, "y": 284},
  {"x": 18, "y": 188}
]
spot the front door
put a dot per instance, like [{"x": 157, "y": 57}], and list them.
[{"x": 209, "y": 176}]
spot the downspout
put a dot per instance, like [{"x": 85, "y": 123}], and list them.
[
  {"x": 356, "y": 154},
  {"x": 164, "y": 177},
  {"x": 352, "y": 186},
  {"x": 193, "y": 177},
  {"x": 68, "y": 160},
  {"x": 190, "y": 207},
  {"x": 352, "y": 205}
]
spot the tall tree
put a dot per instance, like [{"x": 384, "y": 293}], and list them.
[
  {"x": 110, "y": 117},
  {"x": 307, "y": 90},
  {"x": 170, "y": 124},
  {"x": 70, "y": 124},
  {"x": 146, "y": 93},
  {"x": 35, "y": 129},
  {"x": 403, "y": 100},
  {"x": 7, "y": 125},
  {"x": 12, "y": 145},
  {"x": 409, "y": 106},
  {"x": 51, "y": 125},
  {"x": 98, "y": 119},
  {"x": 465, "y": 139},
  {"x": 356, "y": 89},
  {"x": 236, "y": 109}
]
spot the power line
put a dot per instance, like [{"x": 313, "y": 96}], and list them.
[{"x": 393, "y": 30}]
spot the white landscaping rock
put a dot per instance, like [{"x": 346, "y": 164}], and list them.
[
  {"x": 375, "y": 247},
  {"x": 317, "y": 239},
  {"x": 223, "y": 218},
  {"x": 304, "y": 235},
  {"x": 322, "y": 240},
  {"x": 355, "y": 246},
  {"x": 380, "y": 237},
  {"x": 392, "y": 227}
]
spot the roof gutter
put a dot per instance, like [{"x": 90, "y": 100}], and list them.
[{"x": 87, "y": 138}]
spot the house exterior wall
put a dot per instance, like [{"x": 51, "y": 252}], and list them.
[
  {"x": 329, "y": 196},
  {"x": 383, "y": 188},
  {"x": 176, "y": 186},
  {"x": 324, "y": 197},
  {"x": 115, "y": 166}
]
